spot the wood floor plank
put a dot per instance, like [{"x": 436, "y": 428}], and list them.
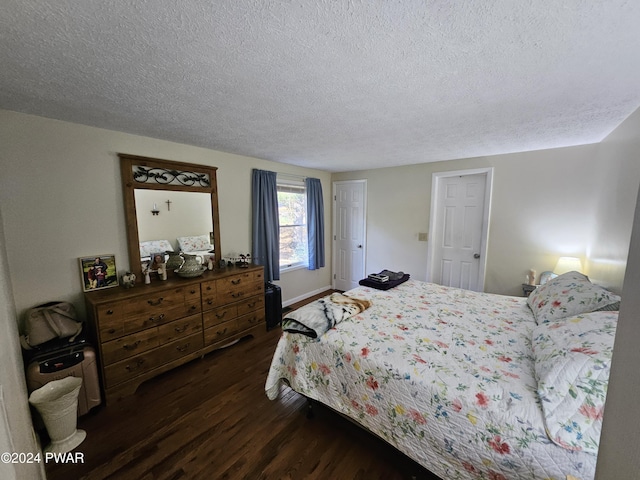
[{"x": 210, "y": 419}]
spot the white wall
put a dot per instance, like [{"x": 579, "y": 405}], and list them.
[
  {"x": 546, "y": 204},
  {"x": 619, "y": 453},
  {"x": 618, "y": 173},
  {"x": 16, "y": 432},
  {"x": 61, "y": 198}
]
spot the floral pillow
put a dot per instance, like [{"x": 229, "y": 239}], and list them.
[
  {"x": 194, "y": 244},
  {"x": 154, "y": 246},
  {"x": 568, "y": 294},
  {"x": 572, "y": 361}
]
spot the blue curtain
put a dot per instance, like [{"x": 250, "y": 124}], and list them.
[
  {"x": 265, "y": 249},
  {"x": 315, "y": 223}
]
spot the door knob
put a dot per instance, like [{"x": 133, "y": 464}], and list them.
[
  {"x": 476, "y": 255},
  {"x": 359, "y": 246}
]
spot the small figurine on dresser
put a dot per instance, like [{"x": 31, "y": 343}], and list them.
[
  {"x": 244, "y": 260},
  {"x": 162, "y": 271},
  {"x": 531, "y": 278},
  {"x": 129, "y": 280},
  {"x": 146, "y": 271}
]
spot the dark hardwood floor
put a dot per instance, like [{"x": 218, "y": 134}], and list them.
[{"x": 210, "y": 419}]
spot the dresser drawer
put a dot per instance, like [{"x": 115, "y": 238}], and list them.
[
  {"x": 192, "y": 294},
  {"x": 250, "y": 320},
  {"x": 179, "y": 329},
  {"x": 258, "y": 276},
  {"x": 221, "y": 332},
  {"x": 219, "y": 315},
  {"x": 109, "y": 320},
  {"x": 129, "y": 346},
  {"x": 235, "y": 280},
  {"x": 153, "y": 319},
  {"x": 156, "y": 302},
  {"x": 132, "y": 367},
  {"x": 193, "y": 307},
  {"x": 228, "y": 293},
  {"x": 251, "y": 304},
  {"x": 208, "y": 294}
]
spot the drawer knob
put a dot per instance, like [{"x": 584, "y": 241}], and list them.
[
  {"x": 209, "y": 302},
  {"x": 237, "y": 295},
  {"x": 109, "y": 312},
  {"x": 180, "y": 329},
  {"x": 183, "y": 348},
  {"x": 222, "y": 332},
  {"x": 221, "y": 315},
  {"x": 156, "y": 319},
  {"x": 138, "y": 363},
  {"x": 155, "y": 303},
  {"x": 111, "y": 330},
  {"x": 132, "y": 346},
  {"x": 236, "y": 281},
  {"x": 192, "y": 292}
]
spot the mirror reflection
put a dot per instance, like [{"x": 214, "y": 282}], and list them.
[{"x": 181, "y": 220}]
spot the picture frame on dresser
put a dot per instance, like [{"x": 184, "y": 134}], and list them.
[{"x": 98, "y": 272}]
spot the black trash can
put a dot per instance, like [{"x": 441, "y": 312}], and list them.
[{"x": 273, "y": 305}]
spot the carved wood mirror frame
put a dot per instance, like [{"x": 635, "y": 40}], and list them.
[{"x": 156, "y": 174}]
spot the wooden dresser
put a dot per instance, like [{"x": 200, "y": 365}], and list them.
[{"x": 149, "y": 329}]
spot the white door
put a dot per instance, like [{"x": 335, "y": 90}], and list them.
[
  {"x": 459, "y": 222},
  {"x": 349, "y": 233}
]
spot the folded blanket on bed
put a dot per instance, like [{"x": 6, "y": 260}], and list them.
[
  {"x": 317, "y": 317},
  {"x": 365, "y": 282}
]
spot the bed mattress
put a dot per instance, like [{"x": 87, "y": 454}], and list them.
[{"x": 444, "y": 375}]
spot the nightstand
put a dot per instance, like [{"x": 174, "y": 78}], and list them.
[{"x": 527, "y": 289}]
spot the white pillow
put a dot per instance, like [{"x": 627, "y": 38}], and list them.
[
  {"x": 150, "y": 247},
  {"x": 572, "y": 361},
  {"x": 197, "y": 243},
  {"x": 568, "y": 294}
]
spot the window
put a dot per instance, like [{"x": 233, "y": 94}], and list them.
[{"x": 292, "y": 213}]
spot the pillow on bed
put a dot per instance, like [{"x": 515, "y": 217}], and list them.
[
  {"x": 194, "y": 244},
  {"x": 154, "y": 246},
  {"x": 572, "y": 361},
  {"x": 568, "y": 294}
]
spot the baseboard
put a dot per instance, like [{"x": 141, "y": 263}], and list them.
[{"x": 305, "y": 296}]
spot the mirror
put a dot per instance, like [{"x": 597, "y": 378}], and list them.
[
  {"x": 180, "y": 214},
  {"x": 169, "y": 205}
]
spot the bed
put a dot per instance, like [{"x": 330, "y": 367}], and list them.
[{"x": 467, "y": 384}]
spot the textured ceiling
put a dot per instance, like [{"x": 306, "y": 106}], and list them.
[{"x": 330, "y": 84}]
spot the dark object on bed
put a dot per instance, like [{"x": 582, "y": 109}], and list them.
[
  {"x": 273, "y": 304},
  {"x": 366, "y": 282}
]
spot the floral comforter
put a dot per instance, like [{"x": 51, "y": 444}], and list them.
[{"x": 445, "y": 375}]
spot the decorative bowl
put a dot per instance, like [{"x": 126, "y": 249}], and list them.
[{"x": 190, "y": 272}]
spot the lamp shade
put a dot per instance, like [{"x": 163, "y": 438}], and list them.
[{"x": 568, "y": 264}]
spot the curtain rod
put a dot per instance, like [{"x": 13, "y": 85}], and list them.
[{"x": 291, "y": 175}]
